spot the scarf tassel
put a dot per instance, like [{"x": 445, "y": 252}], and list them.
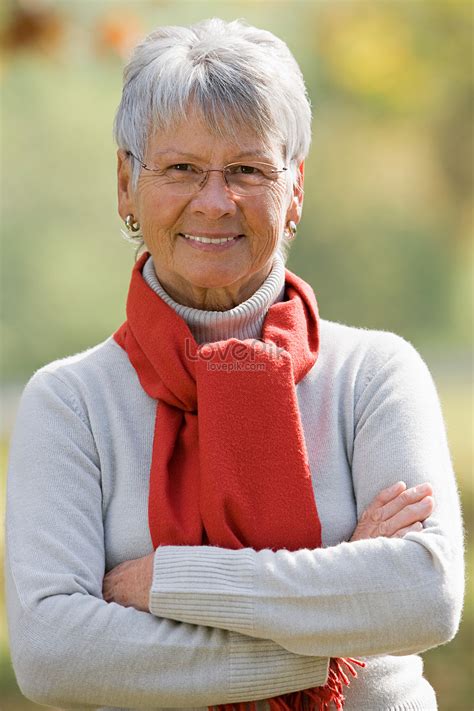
[{"x": 318, "y": 699}]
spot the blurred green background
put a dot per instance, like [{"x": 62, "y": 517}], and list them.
[{"x": 385, "y": 238}]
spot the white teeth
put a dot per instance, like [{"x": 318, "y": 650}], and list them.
[{"x": 208, "y": 240}]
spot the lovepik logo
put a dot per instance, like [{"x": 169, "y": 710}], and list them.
[{"x": 233, "y": 355}]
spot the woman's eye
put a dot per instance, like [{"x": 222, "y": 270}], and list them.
[
  {"x": 241, "y": 169},
  {"x": 181, "y": 167},
  {"x": 247, "y": 169}
]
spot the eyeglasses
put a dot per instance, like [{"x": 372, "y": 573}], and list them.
[{"x": 246, "y": 179}]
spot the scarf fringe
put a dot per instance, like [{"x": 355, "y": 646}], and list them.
[{"x": 318, "y": 699}]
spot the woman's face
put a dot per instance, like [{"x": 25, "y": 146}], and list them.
[{"x": 213, "y": 276}]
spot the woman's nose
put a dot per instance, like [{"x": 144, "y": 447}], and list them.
[{"x": 214, "y": 198}]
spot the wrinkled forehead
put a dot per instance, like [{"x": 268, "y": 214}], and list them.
[{"x": 199, "y": 130}]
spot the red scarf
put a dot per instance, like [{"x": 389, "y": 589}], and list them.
[{"x": 229, "y": 464}]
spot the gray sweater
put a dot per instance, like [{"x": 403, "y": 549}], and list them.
[{"x": 228, "y": 625}]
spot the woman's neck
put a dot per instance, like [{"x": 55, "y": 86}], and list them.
[
  {"x": 214, "y": 299},
  {"x": 245, "y": 320}
]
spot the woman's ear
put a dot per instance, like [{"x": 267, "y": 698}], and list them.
[
  {"x": 296, "y": 205},
  {"x": 125, "y": 194}
]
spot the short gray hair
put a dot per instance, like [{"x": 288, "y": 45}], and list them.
[{"x": 234, "y": 74}]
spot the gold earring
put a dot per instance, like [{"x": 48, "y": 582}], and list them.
[
  {"x": 131, "y": 224},
  {"x": 291, "y": 229}
]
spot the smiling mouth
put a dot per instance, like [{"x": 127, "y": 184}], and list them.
[{"x": 210, "y": 240}]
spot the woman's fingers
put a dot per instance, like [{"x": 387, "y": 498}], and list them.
[
  {"x": 395, "y": 509},
  {"x": 387, "y": 495},
  {"x": 405, "y": 499},
  {"x": 414, "y": 527},
  {"x": 410, "y": 514}
]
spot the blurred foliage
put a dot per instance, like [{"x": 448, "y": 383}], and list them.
[
  {"x": 388, "y": 211},
  {"x": 386, "y": 234}
]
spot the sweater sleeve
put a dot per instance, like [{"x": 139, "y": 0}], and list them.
[
  {"x": 68, "y": 646},
  {"x": 370, "y": 597}
]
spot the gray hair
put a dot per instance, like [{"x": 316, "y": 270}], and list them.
[{"x": 234, "y": 74}]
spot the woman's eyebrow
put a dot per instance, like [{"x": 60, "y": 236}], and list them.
[
  {"x": 177, "y": 152},
  {"x": 252, "y": 153},
  {"x": 247, "y": 153}
]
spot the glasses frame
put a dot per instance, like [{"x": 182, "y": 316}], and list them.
[{"x": 205, "y": 173}]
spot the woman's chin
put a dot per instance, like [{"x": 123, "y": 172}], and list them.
[
  {"x": 217, "y": 278},
  {"x": 215, "y": 289},
  {"x": 209, "y": 280},
  {"x": 205, "y": 271}
]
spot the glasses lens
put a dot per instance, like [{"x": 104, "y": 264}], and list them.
[
  {"x": 183, "y": 178},
  {"x": 250, "y": 178}
]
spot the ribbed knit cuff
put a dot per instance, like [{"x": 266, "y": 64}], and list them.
[
  {"x": 204, "y": 585},
  {"x": 213, "y": 586},
  {"x": 260, "y": 669}
]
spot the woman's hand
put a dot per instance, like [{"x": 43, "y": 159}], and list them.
[
  {"x": 395, "y": 511},
  {"x": 129, "y": 583}
]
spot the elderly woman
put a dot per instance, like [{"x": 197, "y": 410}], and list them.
[{"x": 232, "y": 498}]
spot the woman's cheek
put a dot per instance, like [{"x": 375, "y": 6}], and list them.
[{"x": 158, "y": 240}]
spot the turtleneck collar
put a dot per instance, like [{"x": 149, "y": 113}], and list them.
[{"x": 243, "y": 321}]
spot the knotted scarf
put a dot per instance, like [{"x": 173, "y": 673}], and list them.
[{"x": 229, "y": 463}]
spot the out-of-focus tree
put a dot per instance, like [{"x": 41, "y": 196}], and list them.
[
  {"x": 410, "y": 60},
  {"x": 31, "y": 26},
  {"x": 117, "y": 33}
]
